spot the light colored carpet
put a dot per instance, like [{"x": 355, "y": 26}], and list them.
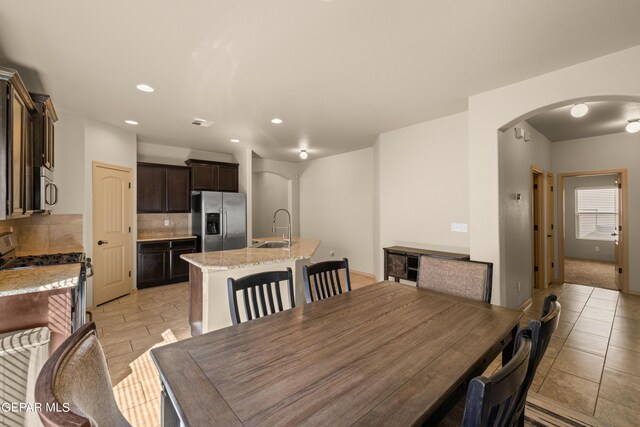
[{"x": 601, "y": 274}]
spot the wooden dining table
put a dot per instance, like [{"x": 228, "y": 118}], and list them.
[{"x": 385, "y": 354}]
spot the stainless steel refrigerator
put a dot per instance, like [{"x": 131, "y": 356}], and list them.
[{"x": 219, "y": 220}]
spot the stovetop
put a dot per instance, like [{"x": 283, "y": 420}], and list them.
[{"x": 42, "y": 260}]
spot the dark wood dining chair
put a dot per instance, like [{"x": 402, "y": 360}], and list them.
[
  {"x": 322, "y": 279},
  {"x": 261, "y": 294},
  {"x": 491, "y": 401},
  {"x": 76, "y": 377},
  {"x": 540, "y": 333},
  {"x": 468, "y": 279}
]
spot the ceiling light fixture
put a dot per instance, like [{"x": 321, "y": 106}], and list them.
[
  {"x": 304, "y": 154},
  {"x": 131, "y": 122},
  {"x": 579, "y": 110},
  {"x": 633, "y": 126},
  {"x": 276, "y": 121},
  {"x": 144, "y": 87},
  {"x": 235, "y": 140}
]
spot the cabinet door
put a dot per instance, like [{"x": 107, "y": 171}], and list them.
[
  {"x": 151, "y": 188},
  {"x": 48, "y": 139},
  {"x": 178, "y": 191},
  {"x": 18, "y": 147},
  {"x": 179, "y": 267},
  {"x": 227, "y": 178},
  {"x": 397, "y": 265},
  {"x": 204, "y": 176},
  {"x": 152, "y": 266}
]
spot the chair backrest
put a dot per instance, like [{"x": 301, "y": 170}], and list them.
[
  {"x": 468, "y": 279},
  {"x": 492, "y": 401},
  {"x": 261, "y": 294},
  {"x": 76, "y": 375},
  {"x": 322, "y": 279},
  {"x": 540, "y": 333}
]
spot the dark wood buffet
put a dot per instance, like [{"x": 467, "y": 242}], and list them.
[{"x": 401, "y": 262}]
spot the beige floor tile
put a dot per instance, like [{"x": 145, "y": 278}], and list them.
[
  {"x": 577, "y": 393},
  {"x": 123, "y": 361},
  {"x": 169, "y": 316},
  {"x": 574, "y": 296},
  {"x": 172, "y": 325},
  {"x": 605, "y": 294},
  {"x": 146, "y": 414},
  {"x": 580, "y": 363},
  {"x": 572, "y": 305},
  {"x": 590, "y": 343},
  {"x": 130, "y": 396},
  {"x": 621, "y": 388},
  {"x": 563, "y": 330},
  {"x": 543, "y": 370},
  {"x": 627, "y": 325},
  {"x": 147, "y": 342},
  {"x": 626, "y": 340},
  {"x": 118, "y": 377},
  {"x": 152, "y": 319},
  {"x": 151, "y": 387},
  {"x": 582, "y": 289},
  {"x": 623, "y": 360},
  {"x": 602, "y": 304},
  {"x": 568, "y": 316},
  {"x": 598, "y": 314},
  {"x": 101, "y": 315},
  {"x": 109, "y": 321},
  {"x": 616, "y": 415},
  {"x": 554, "y": 347},
  {"x": 117, "y": 349},
  {"x": 159, "y": 310},
  {"x": 628, "y": 312},
  {"x": 125, "y": 335},
  {"x": 593, "y": 326}
]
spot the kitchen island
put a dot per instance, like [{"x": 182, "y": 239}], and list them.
[{"x": 209, "y": 271}]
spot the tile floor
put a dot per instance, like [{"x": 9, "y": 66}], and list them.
[
  {"x": 130, "y": 326},
  {"x": 592, "y": 364}
]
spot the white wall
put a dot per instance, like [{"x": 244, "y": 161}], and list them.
[
  {"x": 584, "y": 248},
  {"x": 617, "y": 151},
  {"x": 270, "y": 193},
  {"x": 423, "y": 186},
  {"x": 516, "y": 157},
  {"x": 169, "y": 155},
  {"x": 107, "y": 144},
  {"x": 69, "y": 163},
  {"x": 336, "y": 206},
  {"x": 291, "y": 172},
  {"x": 615, "y": 74}
]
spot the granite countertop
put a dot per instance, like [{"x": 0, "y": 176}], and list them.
[
  {"x": 151, "y": 237},
  {"x": 247, "y": 257},
  {"x": 38, "y": 279}
]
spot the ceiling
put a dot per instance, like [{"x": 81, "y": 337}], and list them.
[
  {"x": 337, "y": 72},
  {"x": 603, "y": 118}
]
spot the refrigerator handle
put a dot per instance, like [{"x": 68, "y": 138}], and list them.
[
  {"x": 222, "y": 224},
  {"x": 226, "y": 227}
]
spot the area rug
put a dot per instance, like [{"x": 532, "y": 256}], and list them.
[{"x": 592, "y": 273}]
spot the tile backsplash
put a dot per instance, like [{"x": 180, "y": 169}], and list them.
[
  {"x": 179, "y": 224},
  {"x": 41, "y": 234}
]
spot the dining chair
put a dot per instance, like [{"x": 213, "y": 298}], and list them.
[
  {"x": 255, "y": 288},
  {"x": 76, "y": 378},
  {"x": 491, "y": 401},
  {"x": 540, "y": 333},
  {"x": 463, "y": 278},
  {"x": 322, "y": 279}
]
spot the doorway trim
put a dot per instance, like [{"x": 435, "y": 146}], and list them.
[
  {"x": 537, "y": 211},
  {"x": 624, "y": 220}
]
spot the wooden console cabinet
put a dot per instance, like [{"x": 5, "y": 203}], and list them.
[{"x": 401, "y": 262}]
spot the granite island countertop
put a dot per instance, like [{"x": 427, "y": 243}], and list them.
[
  {"x": 247, "y": 257},
  {"x": 153, "y": 237},
  {"x": 38, "y": 279}
]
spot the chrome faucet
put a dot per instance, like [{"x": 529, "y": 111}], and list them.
[{"x": 274, "y": 228}]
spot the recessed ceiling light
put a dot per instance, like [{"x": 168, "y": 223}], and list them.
[
  {"x": 276, "y": 121},
  {"x": 579, "y": 110},
  {"x": 235, "y": 140},
  {"x": 145, "y": 88},
  {"x": 131, "y": 122},
  {"x": 633, "y": 126},
  {"x": 304, "y": 154}
]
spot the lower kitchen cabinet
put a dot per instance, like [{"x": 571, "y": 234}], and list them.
[{"x": 159, "y": 262}]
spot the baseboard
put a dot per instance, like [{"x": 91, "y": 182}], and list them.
[
  {"x": 525, "y": 304},
  {"x": 373, "y": 276}
]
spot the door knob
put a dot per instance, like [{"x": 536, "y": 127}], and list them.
[
  {"x": 102, "y": 242},
  {"x": 614, "y": 234},
  {"x": 548, "y": 235}
]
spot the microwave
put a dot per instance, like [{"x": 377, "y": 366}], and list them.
[{"x": 45, "y": 191}]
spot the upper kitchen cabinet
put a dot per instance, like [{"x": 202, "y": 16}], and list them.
[
  {"x": 213, "y": 176},
  {"x": 43, "y": 132},
  {"x": 16, "y": 144},
  {"x": 163, "y": 188}
]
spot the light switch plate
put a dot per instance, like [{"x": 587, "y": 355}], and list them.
[
  {"x": 458, "y": 227},
  {"x": 166, "y": 222}
]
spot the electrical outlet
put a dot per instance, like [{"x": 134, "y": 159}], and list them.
[
  {"x": 518, "y": 285},
  {"x": 459, "y": 227},
  {"x": 166, "y": 222},
  {"x": 331, "y": 253},
  {"x": 597, "y": 248}
]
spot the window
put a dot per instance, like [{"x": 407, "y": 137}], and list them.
[{"x": 596, "y": 212}]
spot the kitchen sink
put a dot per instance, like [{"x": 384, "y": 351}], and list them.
[{"x": 270, "y": 245}]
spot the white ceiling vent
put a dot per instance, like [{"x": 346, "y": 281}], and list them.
[{"x": 202, "y": 122}]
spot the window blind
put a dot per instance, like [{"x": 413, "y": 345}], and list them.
[{"x": 597, "y": 213}]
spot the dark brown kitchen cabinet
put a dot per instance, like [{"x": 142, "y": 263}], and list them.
[
  {"x": 159, "y": 262},
  {"x": 213, "y": 176},
  {"x": 163, "y": 188},
  {"x": 16, "y": 146},
  {"x": 43, "y": 131}
]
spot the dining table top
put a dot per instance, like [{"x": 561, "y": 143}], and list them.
[{"x": 384, "y": 354}]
